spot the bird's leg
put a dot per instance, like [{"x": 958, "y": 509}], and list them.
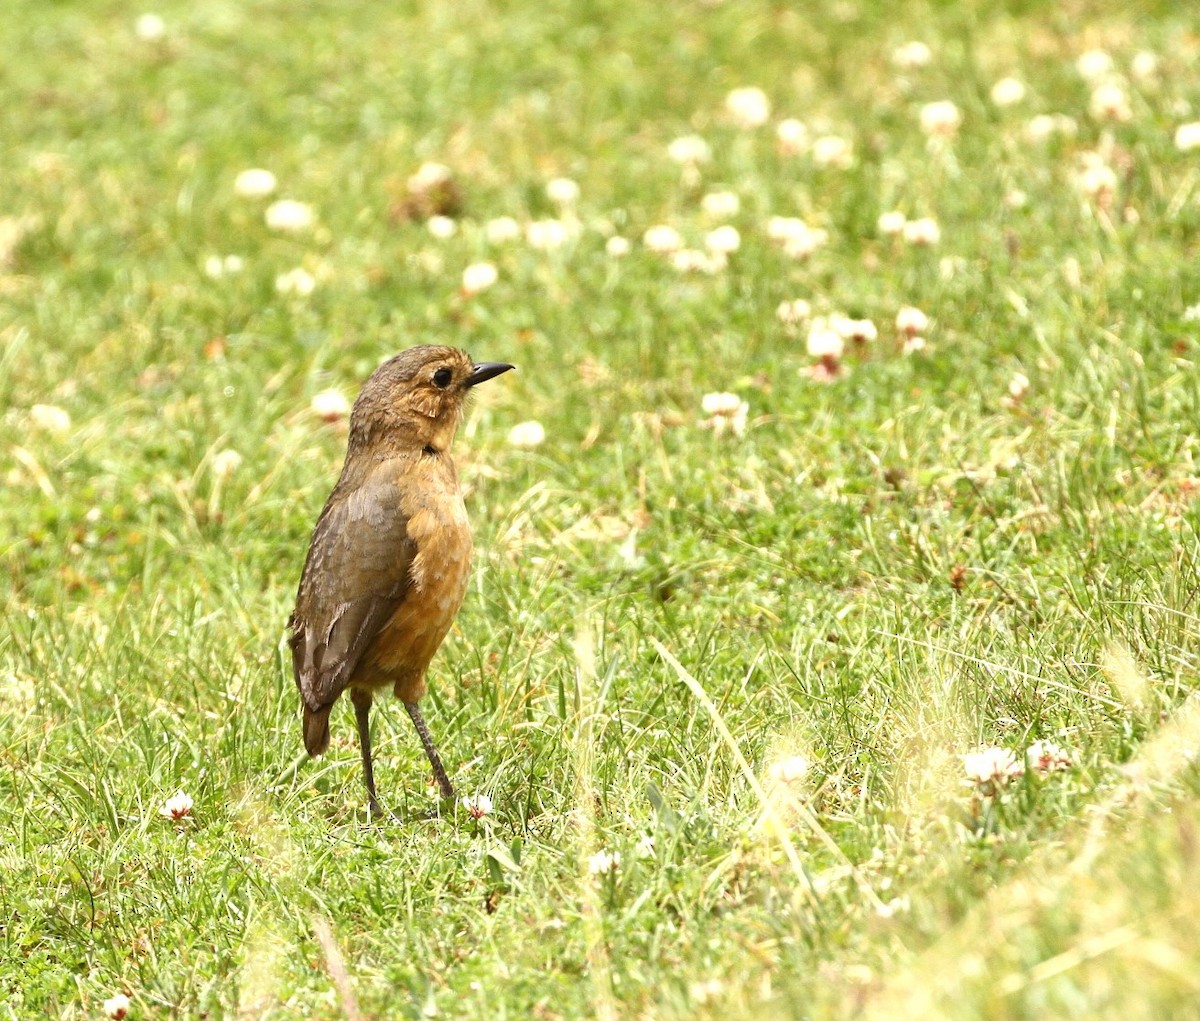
[
  {"x": 362, "y": 715},
  {"x": 439, "y": 770}
]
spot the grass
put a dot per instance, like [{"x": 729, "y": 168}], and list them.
[{"x": 881, "y": 575}]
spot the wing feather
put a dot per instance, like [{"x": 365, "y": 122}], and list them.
[{"x": 358, "y": 571}]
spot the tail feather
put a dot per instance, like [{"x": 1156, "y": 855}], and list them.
[{"x": 316, "y": 729}]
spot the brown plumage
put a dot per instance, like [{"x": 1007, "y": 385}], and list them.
[{"x": 390, "y": 555}]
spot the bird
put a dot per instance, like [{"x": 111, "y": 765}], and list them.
[{"x": 389, "y": 558}]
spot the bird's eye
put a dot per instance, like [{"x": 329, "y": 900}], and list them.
[{"x": 442, "y": 378}]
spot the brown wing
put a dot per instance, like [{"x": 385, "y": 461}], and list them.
[{"x": 357, "y": 573}]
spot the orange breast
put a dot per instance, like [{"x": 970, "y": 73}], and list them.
[{"x": 401, "y": 652}]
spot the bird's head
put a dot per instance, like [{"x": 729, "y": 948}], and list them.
[{"x": 416, "y": 399}]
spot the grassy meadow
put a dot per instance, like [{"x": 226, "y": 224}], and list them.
[{"x": 833, "y": 636}]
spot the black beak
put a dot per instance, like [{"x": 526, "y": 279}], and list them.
[{"x": 483, "y": 371}]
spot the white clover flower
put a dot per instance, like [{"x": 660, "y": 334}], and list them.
[
  {"x": 289, "y": 215},
  {"x": 546, "y": 235},
  {"x": 792, "y": 312},
  {"x": 911, "y": 55},
  {"x": 478, "y": 276},
  {"x": 912, "y": 344},
  {"x": 1187, "y": 136},
  {"x": 1046, "y": 125},
  {"x": 940, "y": 118},
  {"x": 149, "y": 27},
  {"x": 861, "y": 331},
  {"x": 441, "y": 227},
  {"x": 501, "y": 230},
  {"x": 225, "y": 463},
  {"x": 891, "y": 223},
  {"x": 1094, "y": 64},
  {"x": 562, "y": 191},
  {"x": 477, "y": 805},
  {"x": 793, "y": 769},
  {"x": 604, "y": 863},
  {"x": 1097, "y": 180},
  {"x": 617, "y": 247},
  {"x": 922, "y": 232},
  {"x": 726, "y": 412},
  {"x": 50, "y": 418},
  {"x": 991, "y": 767},
  {"x": 689, "y": 150},
  {"x": 527, "y": 435},
  {"x": 833, "y": 151},
  {"x": 330, "y": 405},
  {"x": 824, "y": 342},
  {"x": 298, "y": 281},
  {"x": 723, "y": 240},
  {"x": 1144, "y": 65},
  {"x": 662, "y": 238},
  {"x": 693, "y": 260},
  {"x": 428, "y": 176},
  {"x": 117, "y": 1006},
  {"x": 720, "y": 204},
  {"x": 1047, "y": 757},
  {"x": 1008, "y": 92},
  {"x": 748, "y": 106},
  {"x": 254, "y": 183},
  {"x": 798, "y": 238},
  {"x": 1109, "y": 103},
  {"x": 645, "y": 846},
  {"x": 911, "y": 321},
  {"x": 176, "y": 807},
  {"x": 792, "y": 136},
  {"x": 1018, "y": 386},
  {"x": 1015, "y": 198}
]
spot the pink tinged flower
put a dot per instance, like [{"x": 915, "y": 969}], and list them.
[
  {"x": 1047, "y": 757},
  {"x": 1097, "y": 180},
  {"x": 477, "y": 805},
  {"x": 1187, "y": 136},
  {"x": 1109, "y": 103},
  {"x": 1008, "y": 92},
  {"x": 617, "y": 247},
  {"x": 911, "y": 55},
  {"x": 793, "y": 769},
  {"x": 562, "y": 191},
  {"x": 792, "y": 136},
  {"x": 940, "y": 118},
  {"x": 330, "y": 405},
  {"x": 501, "y": 230},
  {"x": 289, "y": 215},
  {"x": 792, "y": 312},
  {"x": 1093, "y": 65},
  {"x": 662, "y": 238},
  {"x": 478, "y": 276},
  {"x": 911, "y": 321},
  {"x": 546, "y": 235},
  {"x": 254, "y": 183},
  {"x": 749, "y": 107},
  {"x": 720, "y": 205},
  {"x": 861, "y": 331},
  {"x": 527, "y": 435},
  {"x": 723, "y": 240},
  {"x": 826, "y": 345},
  {"x": 176, "y": 807},
  {"x": 991, "y": 767},
  {"x": 891, "y": 223},
  {"x": 604, "y": 863},
  {"x": 117, "y": 1007},
  {"x": 922, "y": 232},
  {"x": 689, "y": 150}
]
